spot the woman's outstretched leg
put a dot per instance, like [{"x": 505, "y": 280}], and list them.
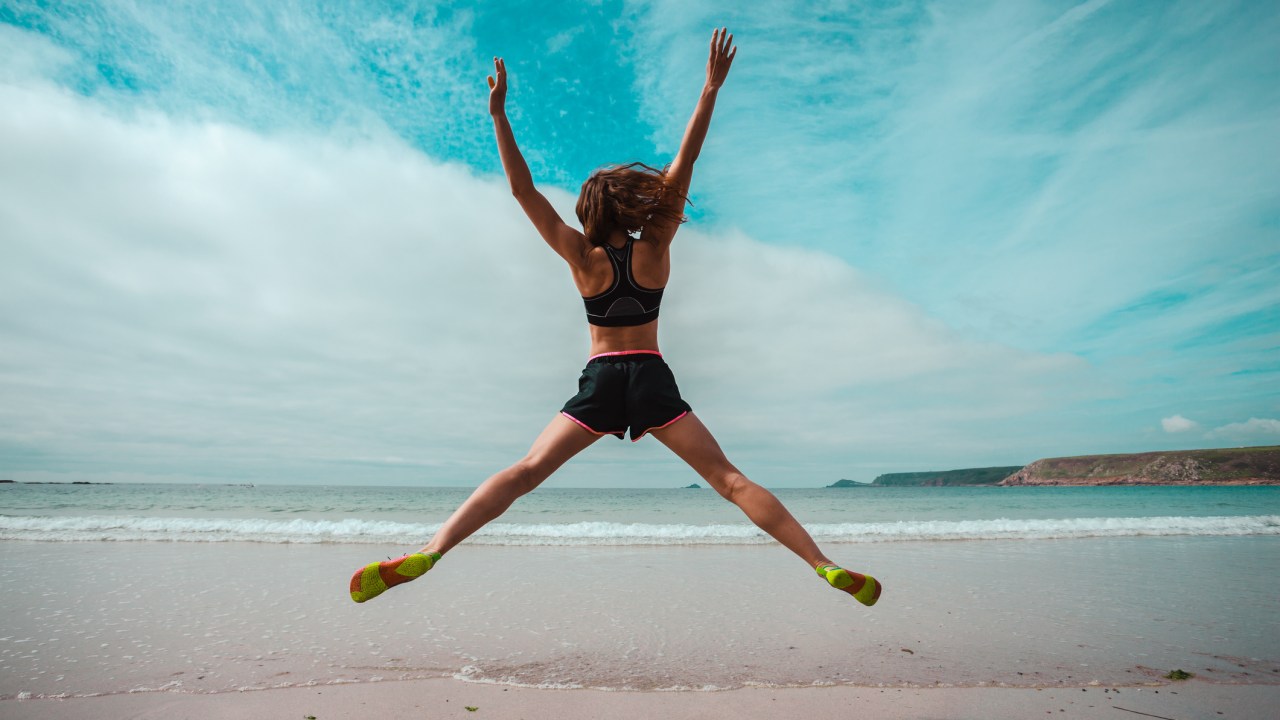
[
  {"x": 692, "y": 442},
  {"x": 561, "y": 440}
]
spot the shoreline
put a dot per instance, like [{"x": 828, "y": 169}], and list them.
[
  {"x": 1155, "y": 681},
  {"x": 445, "y": 697},
  {"x": 1130, "y": 481},
  {"x": 1116, "y": 481}
]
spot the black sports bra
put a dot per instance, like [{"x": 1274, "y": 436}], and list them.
[{"x": 625, "y": 303}]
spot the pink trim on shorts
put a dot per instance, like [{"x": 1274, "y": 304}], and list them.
[
  {"x": 625, "y": 352},
  {"x": 588, "y": 427},
  {"x": 646, "y": 432}
]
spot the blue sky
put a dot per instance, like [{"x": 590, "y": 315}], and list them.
[{"x": 271, "y": 242}]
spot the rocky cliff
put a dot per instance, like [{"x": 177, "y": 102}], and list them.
[{"x": 1227, "y": 466}]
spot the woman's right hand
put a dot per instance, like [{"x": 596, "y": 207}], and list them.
[
  {"x": 498, "y": 89},
  {"x": 722, "y": 52}
]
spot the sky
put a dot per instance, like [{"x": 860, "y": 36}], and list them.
[{"x": 271, "y": 242}]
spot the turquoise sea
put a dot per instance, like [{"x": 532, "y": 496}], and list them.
[{"x": 397, "y": 516}]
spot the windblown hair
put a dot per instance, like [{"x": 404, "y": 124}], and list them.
[{"x": 625, "y": 197}]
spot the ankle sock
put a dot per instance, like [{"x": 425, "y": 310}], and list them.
[
  {"x": 839, "y": 578},
  {"x": 376, "y": 578}
]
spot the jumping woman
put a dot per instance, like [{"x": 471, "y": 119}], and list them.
[{"x": 620, "y": 263}]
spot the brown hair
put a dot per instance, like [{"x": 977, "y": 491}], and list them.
[{"x": 625, "y": 197}]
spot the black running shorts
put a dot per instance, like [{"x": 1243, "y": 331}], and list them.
[{"x": 632, "y": 389}]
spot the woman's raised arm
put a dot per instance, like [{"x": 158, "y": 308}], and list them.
[
  {"x": 680, "y": 173},
  {"x": 566, "y": 241}
]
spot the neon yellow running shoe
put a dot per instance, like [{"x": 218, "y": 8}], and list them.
[
  {"x": 373, "y": 579},
  {"x": 867, "y": 592}
]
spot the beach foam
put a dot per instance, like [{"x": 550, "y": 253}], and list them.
[{"x": 94, "y": 528}]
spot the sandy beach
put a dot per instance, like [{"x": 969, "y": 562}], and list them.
[
  {"x": 416, "y": 699},
  {"x": 966, "y": 630}
]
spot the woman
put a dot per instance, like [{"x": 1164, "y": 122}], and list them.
[{"x": 626, "y": 384}]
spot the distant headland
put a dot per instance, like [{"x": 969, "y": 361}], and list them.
[
  {"x": 1220, "y": 466},
  {"x": 943, "y": 478},
  {"x": 38, "y": 482}
]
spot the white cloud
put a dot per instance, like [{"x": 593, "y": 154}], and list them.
[
  {"x": 561, "y": 40},
  {"x": 1253, "y": 429},
  {"x": 24, "y": 55},
  {"x": 1177, "y": 424},
  {"x": 197, "y": 300}
]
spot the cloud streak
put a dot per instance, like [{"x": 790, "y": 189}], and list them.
[
  {"x": 1178, "y": 424},
  {"x": 1260, "y": 430}
]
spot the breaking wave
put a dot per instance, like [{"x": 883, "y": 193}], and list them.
[{"x": 381, "y": 532}]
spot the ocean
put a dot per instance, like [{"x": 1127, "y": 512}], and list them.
[
  {"x": 407, "y": 516},
  {"x": 189, "y": 588}
]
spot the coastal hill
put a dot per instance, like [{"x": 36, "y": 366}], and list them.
[
  {"x": 1224, "y": 466},
  {"x": 1227, "y": 466}
]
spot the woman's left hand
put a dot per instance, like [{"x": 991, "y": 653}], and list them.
[
  {"x": 722, "y": 54},
  {"x": 498, "y": 89}
]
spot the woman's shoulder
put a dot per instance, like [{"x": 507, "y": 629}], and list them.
[{"x": 595, "y": 275}]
